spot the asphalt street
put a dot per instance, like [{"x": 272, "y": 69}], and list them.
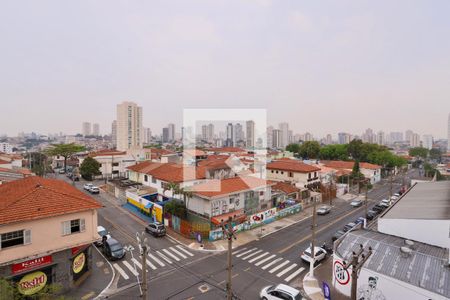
[{"x": 271, "y": 260}]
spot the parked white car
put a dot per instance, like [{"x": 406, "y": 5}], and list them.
[
  {"x": 319, "y": 254},
  {"x": 88, "y": 186},
  {"x": 102, "y": 232},
  {"x": 94, "y": 190},
  {"x": 280, "y": 291}
]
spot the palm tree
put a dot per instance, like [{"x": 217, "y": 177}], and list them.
[
  {"x": 187, "y": 195},
  {"x": 171, "y": 186}
]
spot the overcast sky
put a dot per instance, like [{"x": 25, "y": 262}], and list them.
[{"x": 322, "y": 66}]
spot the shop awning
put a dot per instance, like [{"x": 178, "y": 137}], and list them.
[
  {"x": 149, "y": 205},
  {"x": 237, "y": 216}
]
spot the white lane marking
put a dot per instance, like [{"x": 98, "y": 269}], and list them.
[
  {"x": 121, "y": 271},
  {"x": 170, "y": 254},
  {"x": 164, "y": 257},
  {"x": 286, "y": 270},
  {"x": 258, "y": 257},
  {"x": 130, "y": 267},
  {"x": 243, "y": 253},
  {"x": 251, "y": 254},
  {"x": 178, "y": 252},
  {"x": 150, "y": 264},
  {"x": 279, "y": 266},
  {"x": 156, "y": 259},
  {"x": 184, "y": 250},
  {"x": 271, "y": 263},
  {"x": 264, "y": 260},
  {"x": 292, "y": 276},
  {"x": 240, "y": 250},
  {"x": 134, "y": 260}
]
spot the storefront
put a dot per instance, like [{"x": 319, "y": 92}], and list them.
[{"x": 80, "y": 263}]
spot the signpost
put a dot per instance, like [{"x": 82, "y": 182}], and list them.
[{"x": 326, "y": 291}]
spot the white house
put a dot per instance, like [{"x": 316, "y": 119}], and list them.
[
  {"x": 293, "y": 171},
  {"x": 235, "y": 196},
  {"x": 113, "y": 162}
]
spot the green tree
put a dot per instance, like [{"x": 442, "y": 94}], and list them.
[
  {"x": 64, "y": 150},
  {"x": 334, "y": 152},
  {"x": 176, "y": 208},
  {"x": 436, "y": 154},
  {"x": 356, "y": 175},
  {"x": 39, "y": 163},
  {"x": 354, "y": 149},
  {"x": 418, "y": 152},
  {"x": 294, "y": 148},
  {"x": 90, "y": 167},
  {"x": 310, "y": 149}
]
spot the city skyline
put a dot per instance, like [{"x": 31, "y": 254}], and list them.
[{"x": 348, "y": 66}]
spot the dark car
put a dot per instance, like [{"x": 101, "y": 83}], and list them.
[
  {"x": 349, "y": 226},
  {"x": 113, "y": 250},
  {"x": 156, "y": 229},
  {"x": 378, "y": 208},
  {"x": 371, "y": 214},
  {"x": 360, "y": 220},
  {"x": 337, "y": 235}
]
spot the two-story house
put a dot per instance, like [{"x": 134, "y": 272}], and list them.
[
  {"x": 294, "y": 171},
  {"x": 46, "y": 231},
  {"x": 236, "y": 197}
]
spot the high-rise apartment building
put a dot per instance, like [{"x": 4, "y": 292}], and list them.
[
  {"x": 229, "y": 141},
  {"x": 396, "y": 137},
  {"x": 96, "y": 129},
  {"x": 368, "y": 136},
  {"x": 408, "y": 134},
  {"x": 130, "y": 132},
  {"x": 270, "y": 136},
  {"x": 427, "y": 141},
  {"x": 329, "y": 139},
  {"x": 284, "y": 129},
  {"x": 276, "y": 138},
  {"x": 208, "y": 133},
  {"x": 86, "y": 130},
  {"x": 147, "y": 135},
  {"x": 343, "y": 138},
  {"x": 238, "y": 134},
  {"x": 250, "y": 134},
  {"x": 308, "y": 137},
  {"x": 448, "y": 134},
  {"x": 415, "y": 140},
  {"x": 165, "y": 135},
  {"x": 114, "y": 133},
  {"x": 171, "y": 128},
  {"x": 380, "y": 138}
]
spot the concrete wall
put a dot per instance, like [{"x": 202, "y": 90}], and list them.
[{"x": 46, "y": 236}]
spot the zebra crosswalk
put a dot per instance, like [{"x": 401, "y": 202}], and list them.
[
  {"x": 132, "y": 266},
  {"x": 279, "y": 266}
]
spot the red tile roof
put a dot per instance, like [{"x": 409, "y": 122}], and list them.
[
  {"x": 286, "y": 188},
  {"x": 292, "y": 166},
  {"x": 169, "y": 172},
  {"x": 4, "y": 162},
  {"x": 339, "y": 164},
  {"x": 36, "y": 198},
  {"x": 215, "y": 188},
  {"x": 107, "y": 152},
  {"x": 194, "y": 152}
]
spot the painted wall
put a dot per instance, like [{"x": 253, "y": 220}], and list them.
[{"x": 46, "y": 235}]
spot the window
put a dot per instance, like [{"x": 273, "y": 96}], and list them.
[
  {"x": 277, "y": 172},
  {"x": 115, "y": 164},
  {"x": 309, "y": 175},
  {"x": 261, "y": 193},
  {"x": 291, "y": 174},
  {"x": 231, "y": 200},
  {"x": 315, "y": 174},
  {"x": 282, "y": 172},
  {"x": 15, "y": 238},
  {"x": 73, "y": 226},
  {"x": 271, "y": 171},
  {"x": 145, "y": 178},
  {"x": 153, "y": 180}
]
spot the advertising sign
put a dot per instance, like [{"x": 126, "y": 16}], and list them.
[
  {"x": 78, "y": 263},
  {"x": 31, "y": 264},
  {"x": 32, "y": 283}
]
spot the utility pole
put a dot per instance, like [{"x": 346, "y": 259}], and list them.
[
  {"x": 367, "y": 191},
  {"x": 390, "y": 184},
  {"x": 313, "y": 240},
  {"x": 358, "y": 260},
  {"x": 229, "y": 233},
  {"x": 143, "y": 248}
]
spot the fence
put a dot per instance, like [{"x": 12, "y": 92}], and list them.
[{"x": 188, "y": 229}]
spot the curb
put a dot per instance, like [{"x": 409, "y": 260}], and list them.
[{"x": 104, "y": 291}]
